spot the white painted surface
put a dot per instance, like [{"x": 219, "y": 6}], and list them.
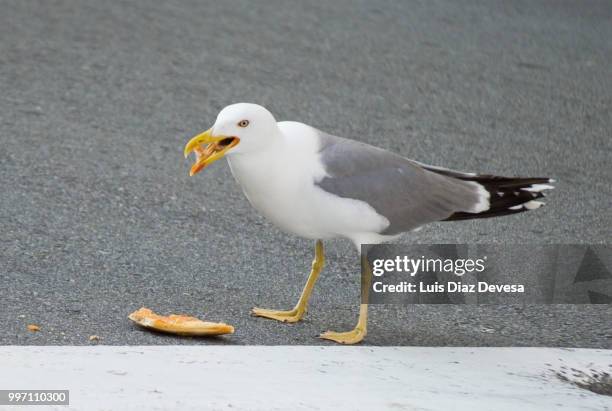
[{"x": 305, "y": 378}]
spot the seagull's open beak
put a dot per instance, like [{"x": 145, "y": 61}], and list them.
[{"x": 214, "y": 149}]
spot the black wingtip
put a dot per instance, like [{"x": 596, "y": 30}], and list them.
[{"x": 507, "y": 195}]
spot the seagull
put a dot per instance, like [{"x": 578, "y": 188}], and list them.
[{"x": 320, "y": 187}]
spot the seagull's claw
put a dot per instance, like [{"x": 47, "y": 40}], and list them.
[
  {"x": 291, "y": 316},
  {"x": 349, "y": 337}
]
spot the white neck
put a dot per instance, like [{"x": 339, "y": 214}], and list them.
[
  {"x": 272, "y": 177},
  {"x": 253, "y": 166}
]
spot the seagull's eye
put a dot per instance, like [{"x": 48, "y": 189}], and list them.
[{"x": 243, "y": 123}]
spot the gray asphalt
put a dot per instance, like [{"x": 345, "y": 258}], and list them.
[{"x": 98, "y": 216}]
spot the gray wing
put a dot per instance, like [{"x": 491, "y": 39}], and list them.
[{"x": 399, "y": 189}]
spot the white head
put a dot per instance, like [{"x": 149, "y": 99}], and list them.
[{"x": 240, "y": 128}]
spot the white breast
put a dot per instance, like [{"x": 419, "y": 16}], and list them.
[{"x": 280, "y": 183}]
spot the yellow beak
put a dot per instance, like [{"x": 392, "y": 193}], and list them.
[{"x": 214, "y": 149}]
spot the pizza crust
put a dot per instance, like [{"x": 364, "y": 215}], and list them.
[{"x": 178, "y": 324}]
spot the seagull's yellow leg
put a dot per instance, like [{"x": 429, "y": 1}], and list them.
[
  {"x": 299, "y": 310},
  {"x": 358, "y": 333}
]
